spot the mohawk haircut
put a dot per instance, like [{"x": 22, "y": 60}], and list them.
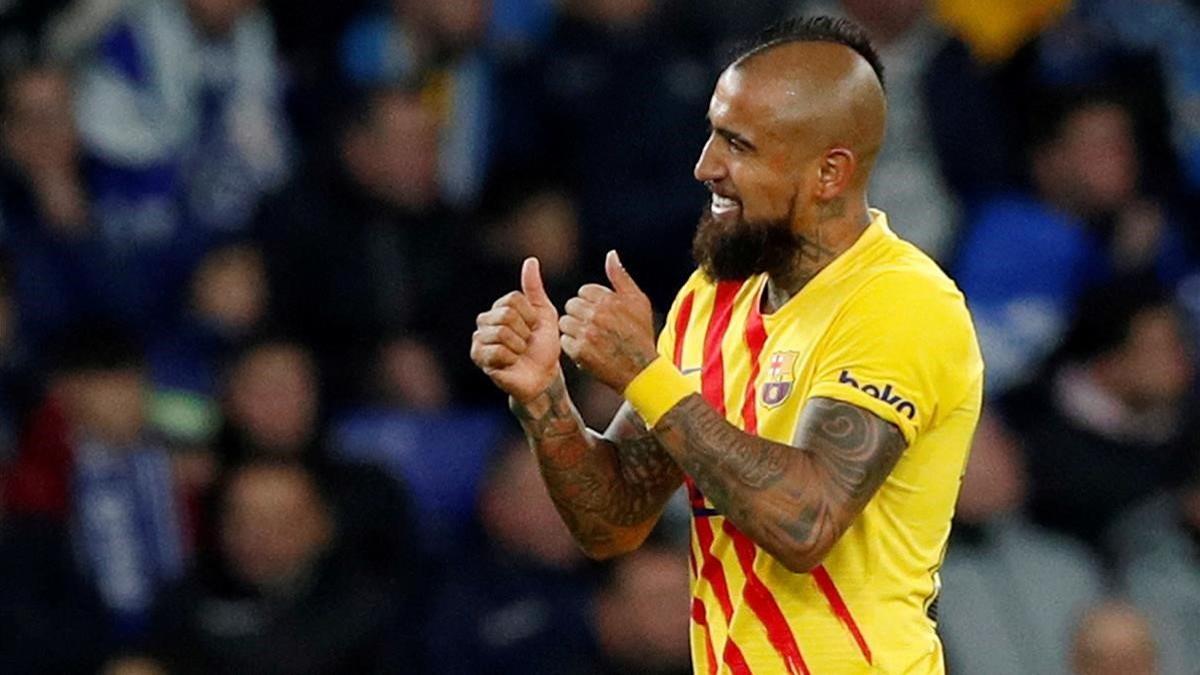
[{"x": 813, "y": 29}]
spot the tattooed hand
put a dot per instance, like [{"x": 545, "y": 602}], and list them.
[
  {"x": 610, "y": 332},
  {"x": 516, "y": 342}
]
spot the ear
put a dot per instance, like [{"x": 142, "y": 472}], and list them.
[{"x": 835, "y": 173}]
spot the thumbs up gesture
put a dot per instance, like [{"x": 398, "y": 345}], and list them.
[
  {"x": 609, "y": 332},
  {"x": 516, "y": 342}
]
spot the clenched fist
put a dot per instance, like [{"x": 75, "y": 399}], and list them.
[
  {"x": 610, "y": 332},
  {"x": 516, "y": 342}
]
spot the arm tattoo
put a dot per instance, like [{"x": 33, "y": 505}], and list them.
[
  {"x": 609, "y": 491},
  {"x": 795, "y": 502}
]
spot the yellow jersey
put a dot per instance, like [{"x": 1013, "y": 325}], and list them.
[{"x": 883, "y": 328}]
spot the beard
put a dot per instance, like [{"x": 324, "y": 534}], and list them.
[{"x": 739, "y": 250}]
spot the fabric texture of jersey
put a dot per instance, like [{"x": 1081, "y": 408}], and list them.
[{"x": 882, "y": 328}]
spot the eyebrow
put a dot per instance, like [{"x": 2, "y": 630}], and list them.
[{"x": 731, "y": 136}]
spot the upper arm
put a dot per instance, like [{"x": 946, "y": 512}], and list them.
[
  {"x": 903, "y": 349},
  {"x": 852, "y": 450}
]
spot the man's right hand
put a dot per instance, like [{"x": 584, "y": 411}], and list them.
[{"x": 516, "y": 342}]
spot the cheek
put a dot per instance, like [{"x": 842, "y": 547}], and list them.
[{"x": 763, "y": 193}]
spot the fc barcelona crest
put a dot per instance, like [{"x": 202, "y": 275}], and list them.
[{"x": 780, "y": 378}]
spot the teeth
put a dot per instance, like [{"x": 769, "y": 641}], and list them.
[{"x": 723, "y": 202}]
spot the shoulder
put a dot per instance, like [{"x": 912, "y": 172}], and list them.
[{"x": 907, "y": 282}]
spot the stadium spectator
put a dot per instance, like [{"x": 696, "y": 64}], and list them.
[
  {"x": 411, "y": 377},
  {"x": 614, "y": 106},
  {"x": 525, "y": 579},
  {"x": 1114, "y": 639},
  {"x": 1108, "y": 423},
  {"x": 996, "y": 30},
  {"x": 1027, "y": 257},
  {"x": 526, "y": 216},
  {"x": 907, "y": 181},
  {"x": 228, "y": 303},
  {"x": 363, "y": 248},
  {"x": 276, "y": 598},
  {"x": 635, "y": 634},
  {"x": 1133, "y": 47},
  {"x": 1158, "y": 547},
  {"x": 181, "y": 104},
  {"x": 88, "y": 464},
  {"x": 272, "y": 410},
  {"x": 1011, "y": 592},
  {"x": 62, "y": 264},
  {"x": 1164, "y": 29},
  {"x": 438, "y": 48}
]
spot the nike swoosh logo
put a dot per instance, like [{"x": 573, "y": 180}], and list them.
[{"x": 689, "y": 371}]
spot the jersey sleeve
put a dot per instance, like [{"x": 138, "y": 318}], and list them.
[{"x": 903, "y": 348}]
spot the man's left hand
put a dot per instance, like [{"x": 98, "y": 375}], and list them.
[{"x": 609, "y": 332}]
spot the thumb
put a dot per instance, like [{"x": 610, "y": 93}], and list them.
[
  {"x": 531, "y": 283},
  {"x": 618, "y": 275}
]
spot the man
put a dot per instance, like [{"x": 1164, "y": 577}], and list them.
[
  {"x": 816, "y": 386},
  {"x": 276, "y": 596}
]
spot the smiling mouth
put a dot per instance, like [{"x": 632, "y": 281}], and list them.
[{"x": 721, "y": 205}]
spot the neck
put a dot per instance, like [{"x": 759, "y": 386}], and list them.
[{"x": 839, "y": 223}]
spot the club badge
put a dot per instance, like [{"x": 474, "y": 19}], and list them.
[{"x": 780, "y": 378}]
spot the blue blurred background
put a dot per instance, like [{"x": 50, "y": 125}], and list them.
[{"x": 243, "y": 242}]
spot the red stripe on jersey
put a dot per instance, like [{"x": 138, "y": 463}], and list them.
[
  {"x": 710, "y": 567},
  {"x": 681, "y": 325},
  {"x": 712, "y": 385},
  {"x": 713, "y": 572},
  {"x": 700, "y": 616},
  {"x": 756, "y": 337},
  {"x": 758, "y": 597},
  {"x": 838, "y": 605},
  {"x": 712, "y": 374},
  {"x": 682, "y": 321},
  {"x": 733, "y": 657}
]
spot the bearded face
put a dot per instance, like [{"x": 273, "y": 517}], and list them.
[{"x": 737, "y": 249}]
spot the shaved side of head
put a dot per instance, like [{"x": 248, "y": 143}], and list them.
[
  {"x": 824, "y": 81},
  {"x": 826, "y": 95}
]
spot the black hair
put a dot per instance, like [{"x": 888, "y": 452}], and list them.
[
  {"x": 814, "y": 29},
  {"x": 358, "y": 105},
  {"x": 1104, "y": 317},
  {"x": 1047, "y": 118},
  {"x": 221, "y": 488}
]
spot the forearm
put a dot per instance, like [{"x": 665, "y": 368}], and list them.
[
  {"x": 743, "y": 476},
  {"x": 793, "y": 501},
  {"x": 609, "y": 491}
]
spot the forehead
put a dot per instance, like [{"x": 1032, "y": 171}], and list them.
[{"x": 747, "y": 101}]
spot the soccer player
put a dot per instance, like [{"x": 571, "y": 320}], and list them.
[{"x": 816, "y": 385}]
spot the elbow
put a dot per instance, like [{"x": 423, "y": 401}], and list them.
[
  {"x": 606, "y": 551},
  {"x": 802, "y": 559},
  {"x": 609, "y": 547}
]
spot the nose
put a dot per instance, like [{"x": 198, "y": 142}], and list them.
[{"x": 708, "y": 166}]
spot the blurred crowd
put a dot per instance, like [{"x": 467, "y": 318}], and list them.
[{"x": 243, "y": 242}]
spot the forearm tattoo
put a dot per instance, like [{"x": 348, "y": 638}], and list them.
[
  {"x": 607, "y": 491},
  {"x": 793, "y": 501}
]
